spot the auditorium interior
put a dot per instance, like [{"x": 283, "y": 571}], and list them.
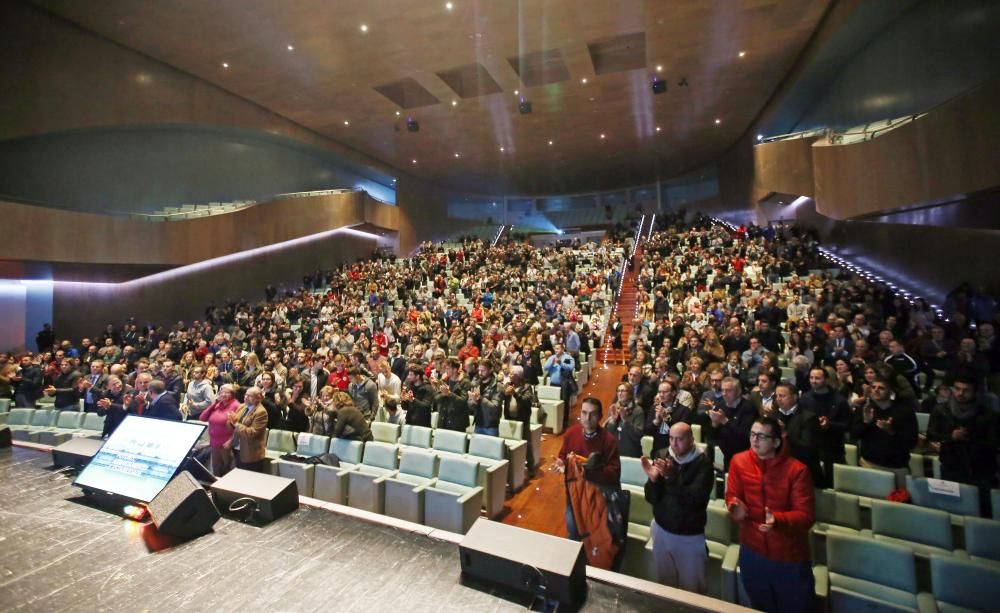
[{"x": 424, "y": 236}]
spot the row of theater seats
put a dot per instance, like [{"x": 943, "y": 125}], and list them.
[
  {"x": 372, "y": 475},
  {"x": 50, "y": 427}
]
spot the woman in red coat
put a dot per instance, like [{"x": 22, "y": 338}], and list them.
[{"x": 770, "y": 496}]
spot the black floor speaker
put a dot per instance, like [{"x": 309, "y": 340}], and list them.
[
  {"x": 183, "y": 508},
  {"x": 541, "y": 565},
  {"x": 76, "y": 452},
  {"x": 255, "y": 497},
  {"x": 5, "y": 440}
]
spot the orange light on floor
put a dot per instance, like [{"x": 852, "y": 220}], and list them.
[{"x": 135, "y": 512}]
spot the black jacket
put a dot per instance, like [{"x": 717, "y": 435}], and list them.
[
  {"x": 680, "y": 500},
  {"x": 886, "y": 448}
]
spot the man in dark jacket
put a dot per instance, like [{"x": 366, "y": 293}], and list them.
[
  {"x": 484, "y": 400},
  {"x": 451, "y": 402},
  {"x": 417, "y": 397},
  {"x": 886, "y": 430},
  {"x": 731, "y": 419},
  {"x": 680, "y": 483},
  {"x": 801, "y": 427},
  {"x": 66, "y": 387},
  {"x": 29, "y": 384},
  {"x": 517, "y": 399},
  {"x": 834, "y": 416},
  {"x": 967, "y": 433}
]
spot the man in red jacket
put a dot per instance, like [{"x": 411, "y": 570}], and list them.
[{"x": 770, "y": 496}]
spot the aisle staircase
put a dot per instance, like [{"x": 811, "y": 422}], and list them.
[{"x": 627, "y": 307}]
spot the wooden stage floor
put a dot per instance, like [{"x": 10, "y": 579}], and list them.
[{"x": 58, "y": 554}]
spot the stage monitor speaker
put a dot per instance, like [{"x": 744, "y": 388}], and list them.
[
  {"x": 539, "y": 564},
  {"x": 256, "y": 497},
  {"x": 183, "y": 508},
  {"x": 5, "y": 438},
  {"x": 76, "y": 452}
]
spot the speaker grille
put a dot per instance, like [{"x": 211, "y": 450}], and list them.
[{"x": 172, "y": 496}]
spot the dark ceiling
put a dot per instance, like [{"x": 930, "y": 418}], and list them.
[{"x": 585, "y": 66}]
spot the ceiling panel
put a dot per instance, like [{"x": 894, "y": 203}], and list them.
[{"x": 417, "y": 56}]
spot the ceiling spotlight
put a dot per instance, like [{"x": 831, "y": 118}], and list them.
[
  {"x": 760, "y": 137},
  {"x": 602, "y": 135},
  {"x": 743, "y": 53},
  {"x": 413, "y": 161},
  {"x": 347, "y": 123},
  {"x": 291, "y": 48},
  {"x": 583, "y": 80},
  {"x": 448, "y": 6},
  {"x": 397, "y": 113},
  {"x": 456, "y": 155},
  {"x": 364, "y": 28},
  {"x": 502, "y": 149},
  {"x": 718, "y": 121},
  {"x": 657, "y": 128},
  {"x": 516, "y": 92},
  {"x": 454, "y": 102},
  {"x": 225, "y": 65},
  {"x": 550, "y": 142},
  {"x": 659, "y": 68}
]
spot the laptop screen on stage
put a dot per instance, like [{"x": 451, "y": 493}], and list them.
[{"x": 141, "y": 457}]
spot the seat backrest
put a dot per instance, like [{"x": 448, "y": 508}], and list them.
[
  {"x": 966, "y": 503},
  {"x": 458, "y": 471},
  {"x": 696, "y": 432},
  {"x": 91, "y": 421},
  {"x": 43, "y": 418},
  {"x": 995, "y": 500},
  {"x": 347, "y": 450},
  {"x": 912, "y": 523},
  {"x": 4, "y": 405},
  {"x": 384, "y": 432},
  {"x": 485, "y": 446},
  {"x": 416, "y": 436},
  {"x": 870, "y": 560},
  {"x": 863, "y": 481},
  {"x": 982, "y": 537},
  {"x": 632, "y": 472},
  {"x": 719, "y": 527},
  {"x": 511, "y": 429},
  {"x": 838, "y": 508},
  {"x": 69, "y": 419},
  {"x": 281, "y": 440},
  {"x": 418, "y": 462},
  {"x": 965, "y": 583},
  {"x": 380, "y": 455},
  {"x": 851, "y": 454},
  {"x": 312, "y": 444},
  {"x": 450, "y": 440},
  {"x": 922, "y": 420},
  {"x": 20, "y": 417}
]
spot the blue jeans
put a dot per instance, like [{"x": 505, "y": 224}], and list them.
[
  {"x": 490, "y": 431},
  {"x": 776, "y": 586}
]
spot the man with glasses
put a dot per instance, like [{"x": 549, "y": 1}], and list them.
[
  {"x": 626, "y": 422},
  {"x": 769, "y": 494},
  {"x": 731, "y": 418},
  {"x": 680, "y": 483},
  {"x": 667, "y": 411},
  {"x": 886, "y": 431}
]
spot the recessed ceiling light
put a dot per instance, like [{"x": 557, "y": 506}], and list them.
[
  {"x": 659, "y": 68},
  {"x": 516, "y": 92},
  {"x": 454, "y": 102},
  {"x": 743, "y": 53},
  {"x": 591, "y": 98},
  {"x": 602, "y": 135},
  {"x": 225, "y": 65},
  {"x": 291, "y": 48},
  {"x": 457, "y": 155},
  {"x": 347, "y": 123},
  {"x": 583, "y": 80},
  {"x": 364, "y": 28},
  {"x": 413, "y": 161},
  {"x": 397, "y": 113},
  {"x": 718, "y": 121},
  {"x": 501, "y": 149},
  {"x": 657, "y": 128},
  {"x": 760, "y": 137},
  {"x": 550, "y": 142},
  {"x": 449, "y": 6}
]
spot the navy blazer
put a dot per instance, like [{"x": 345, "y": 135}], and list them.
[{"x": 164, "y": 407}]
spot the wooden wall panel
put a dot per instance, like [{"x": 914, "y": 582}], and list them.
[
  {"x": 50, "y": 235},
  {"x": 949, "y": 151},
  {"x": 784, "y": 166}
]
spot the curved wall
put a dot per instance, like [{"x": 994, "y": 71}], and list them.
[{"x": 41, "y": 234}]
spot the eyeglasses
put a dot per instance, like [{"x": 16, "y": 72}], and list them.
[{"x": 760, "y": 436}]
